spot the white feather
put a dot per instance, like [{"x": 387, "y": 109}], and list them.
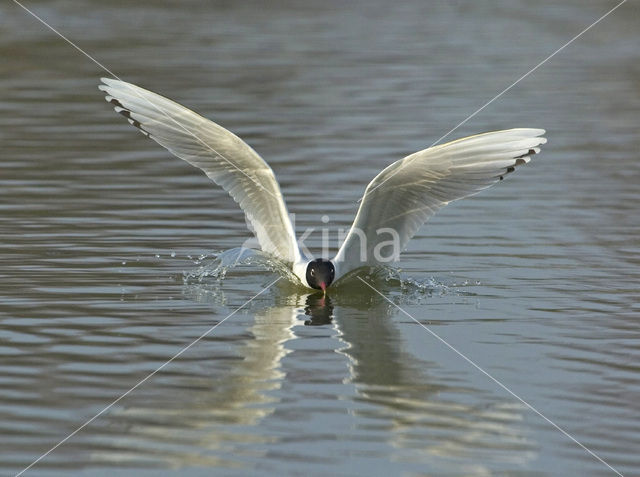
[
  {"x": 402, "y": 197},
  {"x": 223, "y": 156},
  {"x": 405, "y": 194}
]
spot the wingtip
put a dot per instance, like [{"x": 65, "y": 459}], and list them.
[
  {"x": 105, "y": 84},
  {"x": 105, "y": 81},
  {"x": 537, "y": 133},
  {"x": 529, "y": 132},
  {"x": 533, "y": 132}
]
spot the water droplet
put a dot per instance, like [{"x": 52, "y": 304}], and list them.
[{"x": 173, "y": 254}]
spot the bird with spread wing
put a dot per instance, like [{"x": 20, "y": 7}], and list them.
[{"x": 399, "y": 200}]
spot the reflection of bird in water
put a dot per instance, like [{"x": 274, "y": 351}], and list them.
[
  {"x": 233, "y": 404},
  {"x": 396, "y": 203},
  {"x": 319, "y": 309},
  {"x": 427, "y": 417}
]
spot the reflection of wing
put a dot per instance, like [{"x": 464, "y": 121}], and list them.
[
  {"x": 424, "y": 414},
  {"x": 223, "y": 156},
  {"x": 405, "y": 194},
  {"x": 218, "y": 405}
]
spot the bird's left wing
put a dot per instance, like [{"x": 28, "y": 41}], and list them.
[
  {"x": 404, "y": 195},
  {"x": 224, "y": 157}
]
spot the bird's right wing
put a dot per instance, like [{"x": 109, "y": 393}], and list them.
[
  {"x": 404, "y": 195},
  {"x": 224, "y": 157}
]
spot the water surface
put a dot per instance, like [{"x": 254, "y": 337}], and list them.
[{"x": 536, "y": 280}]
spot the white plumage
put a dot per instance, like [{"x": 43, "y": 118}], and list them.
[
  {"x": 225, "y": 158},
  {"x": 400, "y": 198},
  {"x": 404, "y": 195}
]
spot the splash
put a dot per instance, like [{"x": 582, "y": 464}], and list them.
[
  {"x": 214, "y": 269},
  {"x": 394, "y": 280}
]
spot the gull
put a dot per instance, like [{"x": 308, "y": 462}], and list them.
[{"x": 399, "y": 200}]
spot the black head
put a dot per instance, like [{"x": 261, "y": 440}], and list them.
[{"x": 320, "y": 273}]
